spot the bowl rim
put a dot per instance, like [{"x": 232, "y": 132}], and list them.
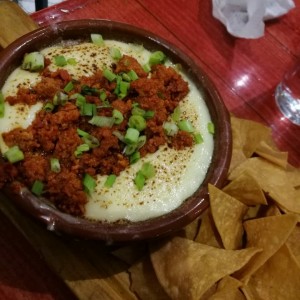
[{"x": 192, "y": 207}]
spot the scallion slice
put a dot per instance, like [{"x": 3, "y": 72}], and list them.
[
  {"x": 170, "y": 128},
  {"x": 102, "y": 121},
  {"x": 89, "y": 183},
  {"x": 119, "y": 135},
  {"x": 14, "y": 154},
  {"x": 89, "y": 109},
  {"x": 33, "y": 61},
  {"x": 148, "y": 170},
  {"x": 110, "y": 180},
  {"x": 139, "y": 180},
  {"x": 131, "y": 136},
  {"x": 118, "y": 116},
  {"x": 132, "y": 75},
  {"x": 97, "y": 39},
  {"x": 176, "y": 114},
  {"x": 69, "y": 87},
  {"x": 80, "y": 149},
  {"x": 211, "y": 127},
  {"x": 54, "y": 165},
  {"x": 149, "y": 114},
  {"x": 115, "y": 53},
  {"x": 198, "y": 138},
  {"x": 134, "y": 157},
  {"x": 137, "y": 111},
  {"x": 137, "y": 122},
  {"x": 37, "y": 188},
  {"x": 102, "y": 95},
  {"x": 109, "y": 75},
  {"x": 146, "y": 67},
  {"x": 60, "y": 98},
  {"x": 124, "y": 86},
  {"x": 185, "y": 125},
  {"x": 157, "y": 57},
  {"x": 48, "y": 107},
  {"x": 60, "y": 61},
  {"x": 72, "y": 61}
]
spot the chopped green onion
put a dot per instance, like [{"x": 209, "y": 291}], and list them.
[
  {"x": 141, "y": 141},
  {"x": 170, "y": 128},
  {"x": 109, "y": 75},
  {"x": 198, "y": 138},
  {"x": 131, "y": 136},
  {"x": 211, "y": 127},
  {"x": 185, "y": 125},
  {"x": 157, "y": 57},
  {"x": 60, "y": 98},
  {"x": 137, "y": 111},
  {"x": 102, "y": 95},
  {"x": 91, "y": 141},
  {"x": 175, "y": 116},
  {"x": 87, "y": 90},
  {"x": 137, "y": 122},
  {"x": 80, "y": 100},
  {"x": 69, "y": 87},
  {"x": 135, "y": 104},
  {"x": 97, "y": 39},
  {"x": 115, "y": 53},
  {"x": 124, "y": 86},
  {"x": 148, "y": 170},
  {"x": 89, "y": 183},
  {"x": 2, "y": 105},
  {"x": 134, "y": 157},
  {"x": 60, "y": 61},
  {"x": 118, "y": 81},
  {"x": 80, "y": 149},
  {"x": 102, "y": 121},
  {"x": 37, "y": 188},
  {"x": 89, "y": 109},
  {"x": 14, "y": 154},
  {"x": 118, "y": 116},
  {"x": 33, "y": 61},
  {"x": 55, "y": 165},
  {"x": 130, "y": 149},
  {"x": 132, "y": 75},
  {"x": 82, "y": 133},
  {"x": 139, "y": 180},
  {"x": 146, "y": 68},
  {"x": 48, "y": 107},
  {"x": 119, "y": 135},
  {"x": 149, "y": 114},
  {"x": 110, "y": 180},
  {"x": 72, "y": 61}
]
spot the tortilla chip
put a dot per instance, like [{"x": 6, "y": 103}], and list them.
[
  {"x": 278, "y": 278},
  {"x": 228, "y": 289},
  {"x": 190, "y": 231},
  {"x": 246, "y": 189},
  {"x": 293, "y": 242},
  {"x": 187, "y": 269},
  {"x": 144, "y": 281},
  {"x": 130, "y": 253},
  {"x": 252, "y": 212},
  {"x": 237, "y": 157},
  {"x": 208, "y": 233},
  {"x": 228, "y": 215},
  {"x": 273, "y": 180},
  {"x": 271, "y": 210},
  {"x": 269, "y": 234},
  {"x": 273, "y": 155},
  {"x": 294, "y": 176},
  {"x": 247, "y": 135}
]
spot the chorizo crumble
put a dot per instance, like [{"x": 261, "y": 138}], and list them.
[{"x": 54, "y": 132}]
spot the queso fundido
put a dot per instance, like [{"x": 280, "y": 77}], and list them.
[{"x": 105, "y": 130}]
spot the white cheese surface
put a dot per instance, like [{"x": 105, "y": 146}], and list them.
[{"x": 178, "y": 173}]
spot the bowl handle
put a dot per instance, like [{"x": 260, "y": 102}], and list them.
[{"x": 15, "y": 22}]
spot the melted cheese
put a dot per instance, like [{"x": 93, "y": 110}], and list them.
[{"x": 178, "y": 173}]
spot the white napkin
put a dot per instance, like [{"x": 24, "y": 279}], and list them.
[{"x": 245, "y": 18}]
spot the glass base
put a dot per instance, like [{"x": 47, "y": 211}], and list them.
[{"x": 288, "y": 105}]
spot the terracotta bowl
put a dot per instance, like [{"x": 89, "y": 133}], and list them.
[{"x": 192, "y": 207}]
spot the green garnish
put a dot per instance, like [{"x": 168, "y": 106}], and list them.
[
  {"x": 170, "y": 128},
  {"x": 137, "y": 122},
  {"x": 88, "y": 109},
  {"x": 37, "y": 188},
  {"x": 48, "y": 107},
  {"x": 89, "y": 183},
  {"x": 115, "y": 53},
  {"x": 97, "y": 39},
  {"x": 80, "y": 149},
  {"x": 139, "y": 180},
  {"x": 211, "y": 127},
  {"x": 157, "y": 57},
  {"x": 33, "y": 61},
  {"x": 148, "y": 170},
  {"x": 60, "y": 61},
  {"x": 60, "y": 98},
  {"x": 72, "y": 61},
  {"x": 131, "y": 136},
  {"x": 132, "y": 75},
  {"x": 88, "y": 139},
  {"x": 54, "y": 165},
  {"x": 198, "y": 138},
  {"x": 118, "y": 116},
  {"x": 134, "y": 157},
  {"x": 110, "y": 180},
  {"x": 175, "y": 116},
  {"x": 185, "y": 125},
  {"x": 102, "y": 121},
  {"x": 146, "y": 67},
  {"x": 69, "y": 87},
  {"x": 109, "y": 75},
  {"x": 14, "y": 154}
]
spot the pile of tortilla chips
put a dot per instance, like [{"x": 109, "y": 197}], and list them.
[{"x": 246, "y": 246}]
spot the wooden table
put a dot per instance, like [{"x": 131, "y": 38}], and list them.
[{"x": 245, "y": 72}]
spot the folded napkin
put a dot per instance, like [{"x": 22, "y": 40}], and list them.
[{"x": 245, "y": 18}]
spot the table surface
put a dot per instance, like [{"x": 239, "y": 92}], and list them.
[{"x": 244, "y": 71}]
